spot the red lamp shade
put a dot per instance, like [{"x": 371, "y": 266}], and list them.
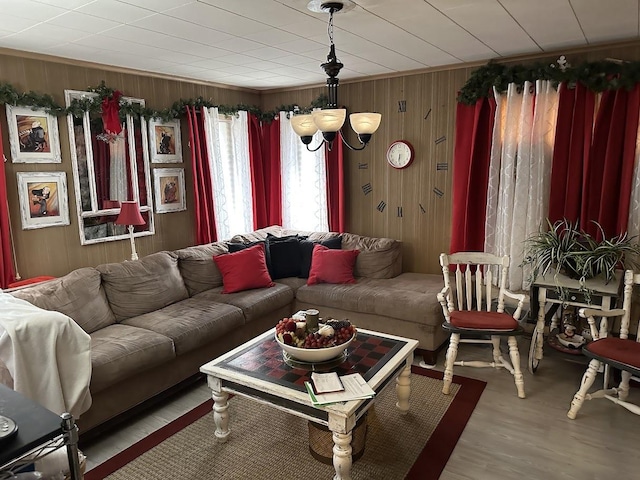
[{"x": 130, "y": 214}]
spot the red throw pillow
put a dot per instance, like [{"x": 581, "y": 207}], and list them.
[
  {"x": 244, "y": 270},
  {"x": 332, "y": 266}
]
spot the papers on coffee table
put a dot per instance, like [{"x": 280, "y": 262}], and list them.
[
  {"x": 354, "y": 388},
  {"x": 326, "y": 382}
]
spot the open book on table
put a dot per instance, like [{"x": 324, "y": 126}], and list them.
[{"x": 330, "y": 388}]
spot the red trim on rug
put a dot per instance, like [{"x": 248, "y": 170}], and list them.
[
  {"x": 428, "y": 466},
  {"x": 436, "y": 452}
]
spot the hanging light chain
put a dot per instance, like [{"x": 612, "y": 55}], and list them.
[{"x": 330, "y": 26}]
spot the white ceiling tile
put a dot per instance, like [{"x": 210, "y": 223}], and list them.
[
  {"x": 66, "y": 4},
  {"x": 176, "y": 27},
  {"x": 11, "y": 23},
  {"x": 236, "y": 70},
  {"x": 29, "y": 9},
  {"x": 604, "y": 21},
  {"x": 273, "y": 36},
  {"x": 267, "y": 53},
  {"x": 211, "y": 63},
  {"x": 114, "y": 10},
  {"x": 212, "y": 17},
  {"x": 238, "y": 45},
  {"x": 53, "y": 34},
  {"x": 236, "y": 59},
  {"x": 268, "y": 11},
  {"x": 301, "y": 45},
  {"x": 158, "y": 5},
  {"x": 80, "y": 21},
  {"x": 258, "y": 65}
]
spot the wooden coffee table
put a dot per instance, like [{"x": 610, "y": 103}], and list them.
[{"x": 259, "y": 371}]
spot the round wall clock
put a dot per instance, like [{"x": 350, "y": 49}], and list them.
[{"x": 400, "y": 154}]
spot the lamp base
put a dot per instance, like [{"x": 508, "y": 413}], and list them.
[{"x": 134, "y": 254}]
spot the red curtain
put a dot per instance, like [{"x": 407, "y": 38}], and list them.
[
  {"x": 335, "y": 187},
  {"x": 202, "y": 187},
  {"x": 571, "y": 154},
  {"x": 257, "y": 159},
  {"x": 7, "y": 273},
  {"x": 474, "y": 129},
  {"x": 611, "y": 161},
  {"x": 271, "y": 171}
]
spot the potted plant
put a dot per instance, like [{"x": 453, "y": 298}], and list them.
[{"x": 565, "y": 248}]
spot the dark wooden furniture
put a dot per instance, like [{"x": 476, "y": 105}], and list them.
[{"x": 39, "y": 433}]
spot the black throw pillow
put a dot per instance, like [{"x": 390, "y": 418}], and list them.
[
  {"x": 285, "y": 255},
  {"x": 237, "y": 246},
  {"x": 306, "y": 252}
]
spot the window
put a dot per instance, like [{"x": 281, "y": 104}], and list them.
[
  {"x": 228, "y": 145},
  {"x": 304, "y": 181}
]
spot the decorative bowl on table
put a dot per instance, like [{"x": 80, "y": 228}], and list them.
[{"x": 314, "y": 347}]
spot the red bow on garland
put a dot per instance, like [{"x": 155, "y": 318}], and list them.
[{"x": 111, "y": 113}]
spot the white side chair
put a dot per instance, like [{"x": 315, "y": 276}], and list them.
[
  {"x": 618, "y": 352},
  {"x": 472, "y": 313}
]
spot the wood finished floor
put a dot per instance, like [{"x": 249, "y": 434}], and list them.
[{"x": 506, "y": 437}]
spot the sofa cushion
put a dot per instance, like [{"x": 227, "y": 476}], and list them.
[
  {"x": 144, "y": 285},
  {"x": 285, "y": 256},
  {"x": 191, "y": 323},
  {"x": 332, "y": 266},
  {"x": 256, "y": 303},
  {"x": 379, "y": 257},
  {"x": 409, "y": 296},
  {"x": 120, "y": 351},
  {"x": 244, "y": 270},
  {"x": 78, "y": 295},
  {"x": 306, "y": 251},
  {"x": 197, "y": 267}
]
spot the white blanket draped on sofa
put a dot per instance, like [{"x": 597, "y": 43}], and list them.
[{"x": 47, "y": 354}]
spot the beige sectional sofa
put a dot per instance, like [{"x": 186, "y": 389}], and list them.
[{"x": 154, "y": 321}]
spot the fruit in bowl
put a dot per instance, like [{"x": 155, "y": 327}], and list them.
[{"x": 328, "y": 342}]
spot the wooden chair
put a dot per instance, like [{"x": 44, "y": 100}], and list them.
[
  {"x": 618, "y": 352},
  {"x": 469, "y": 321}
]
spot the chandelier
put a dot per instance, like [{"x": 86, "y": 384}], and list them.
[{"x": 330, "y": 120}]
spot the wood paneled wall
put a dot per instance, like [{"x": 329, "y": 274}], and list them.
[
  {"x": 425, "y": 224},
  {"x": 57, "y": 250}
]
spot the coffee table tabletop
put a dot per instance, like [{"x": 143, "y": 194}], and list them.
[{"x": 259, "y": 370}]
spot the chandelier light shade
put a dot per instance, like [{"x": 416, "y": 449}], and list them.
[
  {"x": 130, "y": 216},
  {"x": 330, "y": 120}
]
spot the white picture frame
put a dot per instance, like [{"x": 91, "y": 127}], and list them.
[
  {"x": 165, "y": 144},
  {"x": 43, "y": 199},
  {"x": 169, "y": 190},
  {"x": 33, "y": 135}
]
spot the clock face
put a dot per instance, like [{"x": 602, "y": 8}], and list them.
[{"x": 400, "y": 154}]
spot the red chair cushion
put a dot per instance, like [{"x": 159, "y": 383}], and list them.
[
  {"x": 473, "y": 319},
  {"x": 617, "y": 349}
]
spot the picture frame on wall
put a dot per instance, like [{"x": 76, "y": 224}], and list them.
[
  {"x": 33, "y": 135},
  {"x": 169, "y": 189},
  {"x": 43, "y": 199},
  {"x": 165, "y": 142}
]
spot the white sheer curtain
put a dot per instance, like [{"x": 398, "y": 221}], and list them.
[
  {"x": 304, "y": 181},
  {"x": 228, "y": 149},
  {"x": 520, "y": 171}
]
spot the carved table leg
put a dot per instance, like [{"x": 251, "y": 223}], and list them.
[
  {"x": 452, "y": 353},
  {"x": 403, "y": 387},
  {"x": 587, "y": 380},
  {"x": 221, "y": 415},
  {"x": 342, "y": 455}
]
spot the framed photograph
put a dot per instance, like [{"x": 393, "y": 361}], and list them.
[
  {"x": 164, "y": 140},
  {"x": 43, "y": 199},
  {"x": 33, "y": 135},
  {"x": 169, "y": 189}
]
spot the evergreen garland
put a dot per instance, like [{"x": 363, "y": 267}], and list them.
[
  {"x": 597, "y": 76},
  {"x": 93, "y": 105}
]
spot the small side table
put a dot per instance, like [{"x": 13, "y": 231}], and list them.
[
  {"x": 40, "y": 432},
  {"x": 543, "y": 291}
]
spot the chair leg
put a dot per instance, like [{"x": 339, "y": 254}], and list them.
[
  {"x": 497, "y": 354},
  {"x": 452, "y": 353},
  {"x": 515, "y": 360},
  {"x": 587, "y": 381},
  {"x": 623, "y": 388}
]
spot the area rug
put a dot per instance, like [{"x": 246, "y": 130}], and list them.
[{"x": 267, "y": 444}]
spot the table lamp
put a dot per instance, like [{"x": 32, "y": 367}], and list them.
[{"x": 130, "y": 216}]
